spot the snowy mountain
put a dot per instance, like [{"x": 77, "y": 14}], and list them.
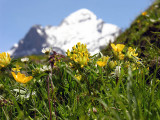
[{"x": 81, "y": 26}]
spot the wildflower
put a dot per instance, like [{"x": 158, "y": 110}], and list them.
[
  {"x": 101, "y": 64},
  {"x": 21, "y": 78},
  {"x": 152, "y": 20},
  {"x": 112, "y": 64},
  {"x": 120, "y": 56},
  {"x": 131, "y": 52},
  {"x": 138, "y": 21},
  {"x": 118, "y": 71},
  {"x": 118, "y": 47},
  {"x": 68, "y": 53},
  {"x": 17, "y": 68},
  {"x": 70, "y": 64},
  {"x": 83, "y": 60},
  {"x": 156, "y": 6},
  {"x": 79, "y": 77},
  {"x": 46, "y": 51},
  {"x": 103, "y": 61},
  {"x": 79, "y": 54},
  {"x": 55, "y": 63},
  {"x": 5, "y": 59},
  {"x": 25, "y": 59},
  {"x": 144, "y": 13},
  {"x": 45, "y": 68}
]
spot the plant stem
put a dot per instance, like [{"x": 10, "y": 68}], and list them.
[
  {"x": 53, "y": 94},
  {"x": 49, "y": 98},
  {"x": 117, "y": 79},
  {"x": 54, "y": 101},
  {"x": 19, "y": 91}
]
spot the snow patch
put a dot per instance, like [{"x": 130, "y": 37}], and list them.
[{"x": 39, "y": 31}]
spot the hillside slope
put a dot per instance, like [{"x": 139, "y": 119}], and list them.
[{"x": 143, "y": 34}]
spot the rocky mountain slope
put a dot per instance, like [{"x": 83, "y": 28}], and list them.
[{"x": 81, "y": 26}]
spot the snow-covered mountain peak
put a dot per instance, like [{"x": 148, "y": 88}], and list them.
[
  {"x": 81, "y": 26},
  {"x": 79, "y": 16}
]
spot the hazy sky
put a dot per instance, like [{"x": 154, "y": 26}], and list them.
[{"x": 17, "y": 16}]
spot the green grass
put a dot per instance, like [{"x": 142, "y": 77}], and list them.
[{"x": 100, "y": 94}]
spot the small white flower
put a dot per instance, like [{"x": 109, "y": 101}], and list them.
[
  {"x": 25, "y": 59},
  {"x": 46, "y": 50},
  {"x": 147, "y": 15},
  {"x": 152, "y": 20},
  {"x": 156, "y": 6},
  {"x": 45, "y": 68},
  {"x": 118, "y": 71}
]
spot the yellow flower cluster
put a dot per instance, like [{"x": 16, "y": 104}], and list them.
[
  {"x": 79, "y": 54},
  {"x": 117, "y": 49},
  {"x": 21, "y": 77},
  {"x": 102, "y": 61},
  {"x": 5, "y": 59},
  {"x": 131, "y": 52}
]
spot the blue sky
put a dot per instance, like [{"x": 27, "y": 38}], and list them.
[{"x": 17, "y": 16}]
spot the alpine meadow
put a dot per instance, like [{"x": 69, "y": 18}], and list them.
[{"x": 122, "y": 82}]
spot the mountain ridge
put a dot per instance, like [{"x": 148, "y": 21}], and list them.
[{"x": 81, "y": 26}]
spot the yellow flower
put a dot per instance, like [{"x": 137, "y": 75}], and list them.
[
  {"x": 138, "y": 21},
  {"x": 21, "y": 77},
  {"x": 131, "y": 52},
  {"x": 70, "y": 64},
  {"x": 79, "y": 77},
  {"x": 118, "y": 47},
  {"x": 101, "y": 64},
  {"x": 144, "y": 13},
  {"x": 17, "y": 68},
  {"x": 55, "y": 64},
  {"x": 68, "y": 53},
  {"x": 5, "y": 59},
  {"x": 103, "y": 61},
  {"x": 120, "y": 56},
  {"x": 74, "y": 47},
  {"x": 79, "y": 54},
  {"x": 78, "y": 44},
  {"x": 112, "y": 64}
]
